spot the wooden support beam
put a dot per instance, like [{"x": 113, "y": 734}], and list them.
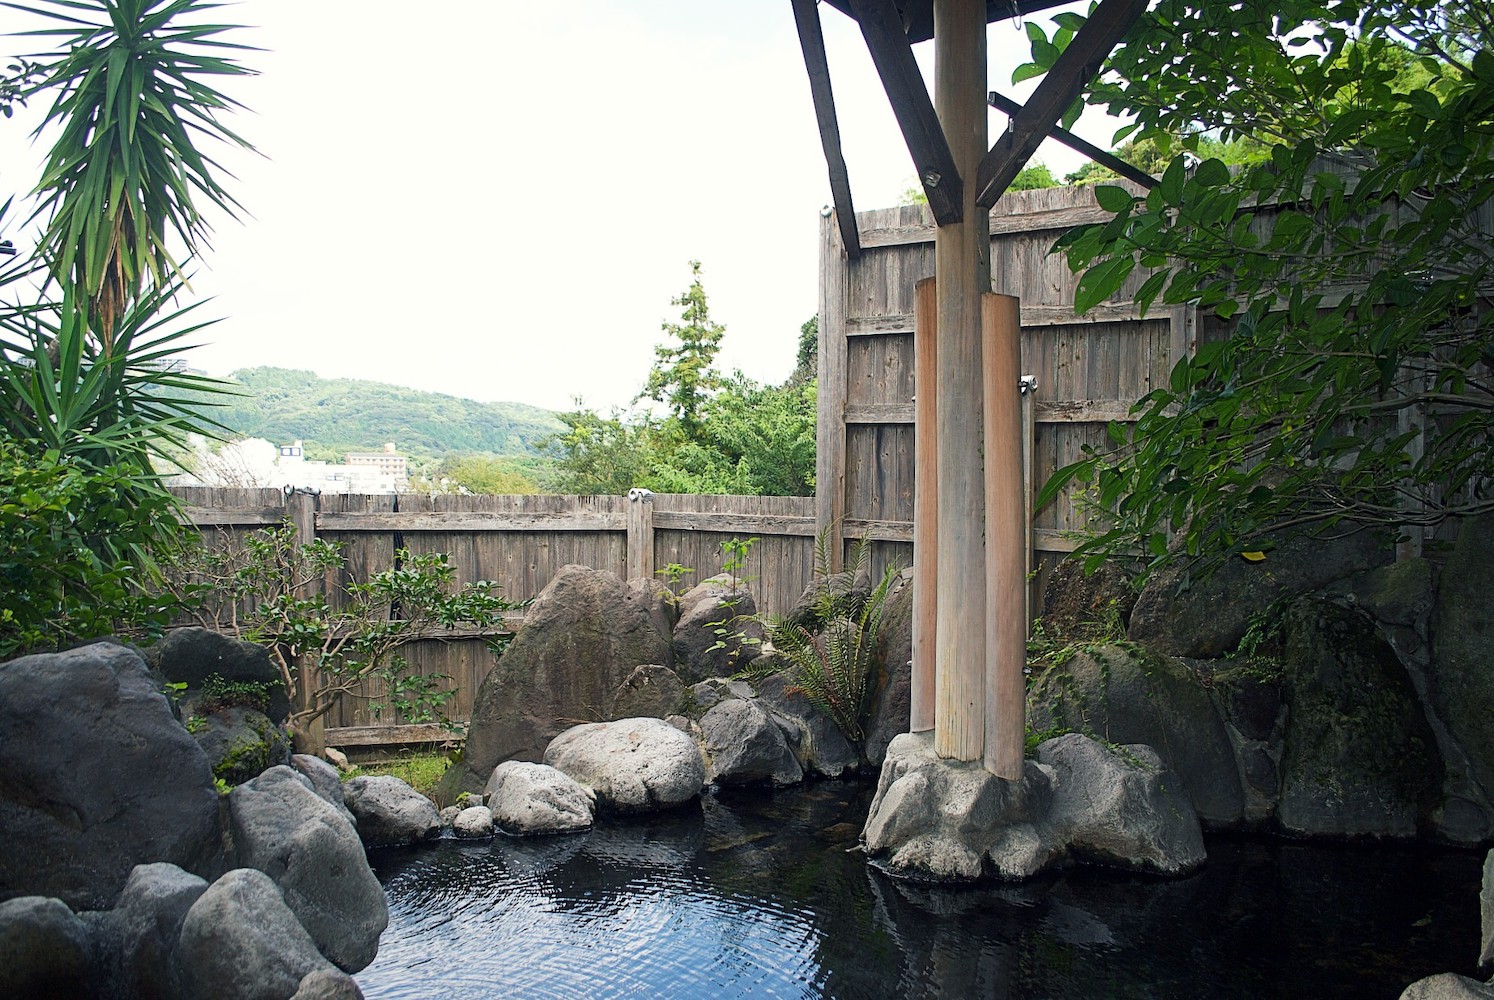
[
  {"x": 891, "y": 53},
  {"x": 1104, "y": 158},
  {"x": 918, "y": 15},
  {"x": 812, "y": 43},
  {"x": 1078, "y": 63},
  {"x": 1006, "y": 538},
  {"x": 962, "y": 265},
  {"x": 925, "y": 506}
]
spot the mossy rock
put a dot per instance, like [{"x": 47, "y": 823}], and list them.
[
  {"x": 1359, "y": 757},
  {"x": 1462, "y": 671},
  {"x": 1125, "y": 694},
  {"x": 241, "y": 743}
]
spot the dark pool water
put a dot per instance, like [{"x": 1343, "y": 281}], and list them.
[{"x": 757, "y": 895}]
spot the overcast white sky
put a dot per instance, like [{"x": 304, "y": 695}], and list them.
[{"x": 499, "y": 199}]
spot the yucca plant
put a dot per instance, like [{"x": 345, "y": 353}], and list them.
[
  {"x": 132, "y": 102},
  {"x": 830, "y": 656}
]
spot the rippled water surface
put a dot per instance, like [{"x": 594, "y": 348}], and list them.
[{"x": 756, "y": 895}]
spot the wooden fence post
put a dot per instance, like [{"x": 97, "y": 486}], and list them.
[
  {"x": 925, "y": 506},
  {"x": 309, "y": 737},
  {"x": 1006, "y": 537},
  {"x": 830, "y": 411},
  {"x": 640, "y": 534}
]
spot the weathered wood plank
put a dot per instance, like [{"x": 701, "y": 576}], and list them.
[
  {"x": 880, "y": 413},
  {"x": 812, "y": 44},
  {"x": 376, "y": 736},
  {"x": 830, "y": 431},
  {"x": 1033, "y": 315},
  {"x": 922, "y": 129},
  {"x": 1080, "y": 411},
  {"x": 879, "y": 530},
  {"x": 205, "y": 517},
  {"x": 727, "y": 523},
  {"x": 453, "y": 521}
]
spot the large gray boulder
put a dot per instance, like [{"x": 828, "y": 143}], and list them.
[
  {"x": 746, "y": 747},
  {"x": 138, "y": 937},
  {"x": 581, "y": 638},
  {"x": 650, "y": 691},
  {"x": 528, "y": 799},
  {"x": 45, "y": 950},
  {"x": 816, "y": 742},
  {"x": 1448, "y": 986},
  {"x": 240, "y": 941},
  {"x": 96, "y": 776},
  {"x": 1121, "y": 806},
  {"x": 284, "y": 829},
  {"x": 1461, "y": 678},
  {"x": 325, "y": 781},
  {"x": 717, "y": 634},
  {"x": 191, "y": 655},
  {"x": 389, "y": 812},
  {"x": 241, "y": 743},
  {"x": 1209, "y": 616},
  {"x": 633, "y": 765},
  {"x": 1359, "y": 757},
  {"x": 947, "y": 820},
  {"x": 1123, "y": 694}
]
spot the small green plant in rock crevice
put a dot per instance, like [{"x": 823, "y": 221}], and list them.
[
  {"x": 728, "y": 631},
  {"x": 834, "y": 666}
]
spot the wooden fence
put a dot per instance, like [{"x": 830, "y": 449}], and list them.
[
  {"x": 1089, "y": 368},
  {"x": 518, "y": 543}
]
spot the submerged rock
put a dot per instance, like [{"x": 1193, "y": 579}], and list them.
[{"x": 632, "y": 765}]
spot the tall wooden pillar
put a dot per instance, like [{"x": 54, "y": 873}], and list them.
[
  {"x": 1006, "y": 539},
  {"x": 962, "y": 266},
  {"x": 925, "y": 506}
]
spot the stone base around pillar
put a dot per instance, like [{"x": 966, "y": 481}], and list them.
[{"x": 1080, "y": 800}]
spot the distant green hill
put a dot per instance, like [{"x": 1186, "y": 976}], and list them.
[{"x": 341, "y": 414}]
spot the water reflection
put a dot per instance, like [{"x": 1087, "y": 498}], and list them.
[{"x": 759, "y": 895}]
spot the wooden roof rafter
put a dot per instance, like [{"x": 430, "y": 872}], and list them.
[
  {"x": 892, "y": 54},
  {"x": 812, "y": 43},
  {"x": 1060, "y": 86}
]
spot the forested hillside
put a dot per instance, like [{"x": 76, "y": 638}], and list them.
[{"x": 338, "y": 415}]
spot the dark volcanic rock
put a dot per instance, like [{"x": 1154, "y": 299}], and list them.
[
  {"x": 1360, "y": 758},
  {"x": 581, "y": 638},
  {"x": 192, "y": 655},
  {"x": 96, "y": 776}
]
